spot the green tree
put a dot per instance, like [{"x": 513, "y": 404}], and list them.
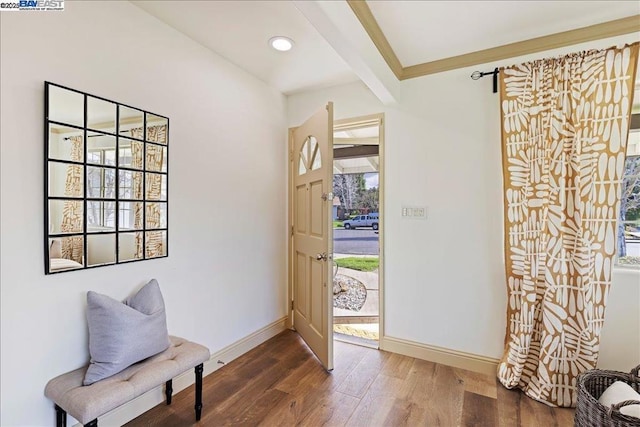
[{"x": 369, "y": 199}]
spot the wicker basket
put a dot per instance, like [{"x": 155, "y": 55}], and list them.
[{"x": 591, "y": 385}]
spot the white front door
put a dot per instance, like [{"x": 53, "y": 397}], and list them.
[{"x": 312, "y": 231}]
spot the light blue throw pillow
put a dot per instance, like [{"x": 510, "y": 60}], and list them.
[{"x": 121, "y": 334}]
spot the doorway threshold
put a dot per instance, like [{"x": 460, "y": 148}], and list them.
[
  {"x": 360, "y": 334},
  {"x": 350, "y": 339}
]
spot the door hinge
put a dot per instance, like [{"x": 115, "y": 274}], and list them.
[
  {"x": 292, "y": 231},
  {"x": 291, "y": 156},
  {"x": 291, "y": 304}
]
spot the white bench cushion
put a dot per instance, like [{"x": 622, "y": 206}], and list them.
[{"x": 86, "y": 403}]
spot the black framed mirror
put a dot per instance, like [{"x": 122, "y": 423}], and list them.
[{"x": 106, "y": 182}]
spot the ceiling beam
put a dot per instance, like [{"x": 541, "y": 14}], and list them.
[
  {"x": 617, "y": 27},
  {"x": 378, "y": 79},
  {"x": 353, "y": 152},
  {"x": 373, "y": 140},
  {"x": 368, "y": 21},
  {"x": 373, "y": 163},
  {"x": 358, "y": 169},
  {"x": 362, "y": 122}
]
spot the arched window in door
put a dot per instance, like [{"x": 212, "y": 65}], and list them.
[{"x": 310, "y": 157}]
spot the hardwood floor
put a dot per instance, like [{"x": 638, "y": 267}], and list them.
[{"x": 281, "y": 383}]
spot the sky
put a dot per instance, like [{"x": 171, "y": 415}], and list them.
[{"x": 371, "y": 180}]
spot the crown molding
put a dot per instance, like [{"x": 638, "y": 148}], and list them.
[
  {"x": 599, "y": 31},
  {"x": 603, "y": 30}
]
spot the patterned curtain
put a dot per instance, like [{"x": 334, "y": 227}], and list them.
[
  {"x": 72, "y": 247},
  {"x": 155, "y": 243},
  {"x": 565, "y": 123},
  {"x": 137, "y": 153}
]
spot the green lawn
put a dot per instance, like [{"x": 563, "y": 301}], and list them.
[
  {"x": 361, "y": 264},
  {"x": 337, "y": 224}
]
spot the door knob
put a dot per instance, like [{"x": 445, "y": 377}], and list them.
[{"x": 322, "y": 256}]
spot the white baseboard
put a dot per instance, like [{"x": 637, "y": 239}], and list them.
[
  {"x": 143, "y": 403},
  {"x": 445, "y": 356}
]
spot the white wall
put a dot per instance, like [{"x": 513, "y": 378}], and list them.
[
  {"x": 225, "y": 275},
  {"x": 444, "y": 277}
]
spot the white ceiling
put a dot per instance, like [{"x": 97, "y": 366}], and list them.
[
  {"x": 332, "y": 48},
  {"x": 240, "y": 30},
  {"x": 423, "y": 31}
]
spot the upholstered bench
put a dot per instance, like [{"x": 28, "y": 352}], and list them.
[{"x": 87, "y": 403}]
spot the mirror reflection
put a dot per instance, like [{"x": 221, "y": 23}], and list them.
[
  {"x": 101, "y": 149},
  {"x": 101, "y": 216},
  {"x": 66, "y": 143},
  {"x": 101, "y": 249},
  {"x": 66, "y": 106},
  {"x": 66, "y": 253},
  {"x": 130, "y": 185},
  {"x": 130, "y": 152},
  {"x": 156, "y": 244},
  {"x": 101, "y": 183},
  {"x": 157, "y": 129},
  {"x": 101, "y": 115},
  {"x": 130, "y": 216},
  {"x": 130, "y": 246},
  {"x": 66, "y": 216},
  {"x": 65, "y": 180},
  {"x": 131, "y": 123},
  {"x": 156, "y": 186},
  {"x": 106, "y": 181},
  {"x": 156, "y": 158},
  {"x": 156, "y": 215}
]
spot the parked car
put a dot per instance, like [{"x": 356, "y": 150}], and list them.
[{"x": 371, "y": 220}]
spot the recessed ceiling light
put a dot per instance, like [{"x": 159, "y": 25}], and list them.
[{"x": 281, "y": 43}]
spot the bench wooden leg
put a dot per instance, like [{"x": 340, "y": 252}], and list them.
[
  {"x": 93, "y": 423},
  {"x": 199, "y": 370},
  {"x": 168, "y": 390},
  {"x": 61, "y": 417}
]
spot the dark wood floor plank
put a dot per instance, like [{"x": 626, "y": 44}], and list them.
[
  {"x": 508, "y": 406},
  {"x": 281, "y": 383},
  {"x": 333, "y": 409},
  {"x": 443, "y": 396},
  {"x": 564, "y": 416},
  {"x": 475, "y": 382},
  {"x": 538, "y": 414},
  {"x": 346, "y": 358},
  {"x": 363, "y": 374},
  {"x": 397, "y": 366},
  {"x": 479, "y": 410},
  {"x": 258, "y": 409},
  {"x": 256, "y": 386},
  {"x": 309, "y": 374},
  {"x": 377, "y": 403},
  {"x": 290, "y": 411},
  {"x": 406, "y": 413}
]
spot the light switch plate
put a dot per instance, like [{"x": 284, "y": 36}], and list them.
[{"x": 414, "y": 212}]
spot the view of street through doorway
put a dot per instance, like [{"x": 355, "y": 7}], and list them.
[{"x": 357, "y": 229}]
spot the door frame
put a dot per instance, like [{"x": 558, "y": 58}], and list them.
[{"x": 379, "y": 117}]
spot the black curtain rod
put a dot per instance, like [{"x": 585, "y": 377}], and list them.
[
  {"x": 66, "y": 138},
  {"x": 478, "y": 74}
]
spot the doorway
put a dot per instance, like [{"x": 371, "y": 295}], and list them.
[{"x": 358, "y": 229}]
